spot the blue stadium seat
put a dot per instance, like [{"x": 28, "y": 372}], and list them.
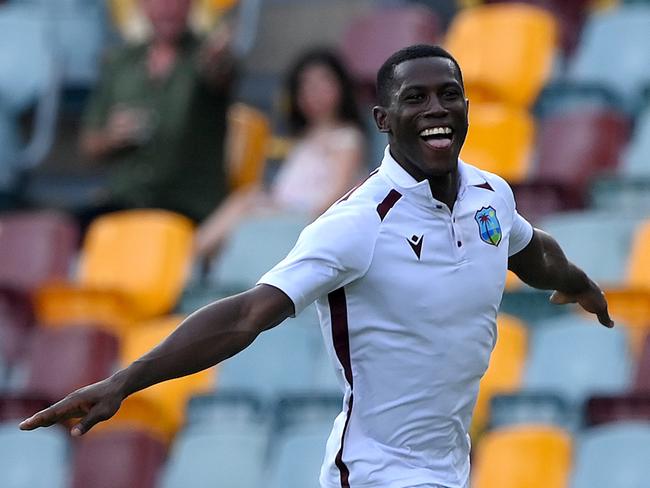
[
  {"x": 636, "y": 160},
  {"x": 37, "y": 459},
  {"x": 597, "y": 241},
  {"x": 576, "y": 357},
  {"x": 614, "y": 51},
  {"x": 214, "y": 459},
  {"x": 279, "y": 360},
  {"x": 613, "y": 456},
  {"x": 629, "y": 195},
  {"x": 532, "y": 408},
  {"x": 257, "y": 244},
  {"x": 224, "y": 412},
  {"x": 298, "y": 445}
]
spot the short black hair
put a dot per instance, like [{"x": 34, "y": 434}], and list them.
[
  {"x": 385, "y": 75},
  {"x": 348, "y": 109}
]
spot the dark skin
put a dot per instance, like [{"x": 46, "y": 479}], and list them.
[{"x": 426, "y": 92}]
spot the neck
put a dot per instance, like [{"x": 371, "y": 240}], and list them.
[{"x": 445, "y": 188}]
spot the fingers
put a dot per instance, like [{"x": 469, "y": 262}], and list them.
[
  {"x": 560, "y": 298},
  {"x": 96, "y": 414},
  {"x": 63, "y": 410},
  {"x": 605, "y": 319}
]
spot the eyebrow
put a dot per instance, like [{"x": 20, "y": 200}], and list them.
[{"x": 448, "y": 84}]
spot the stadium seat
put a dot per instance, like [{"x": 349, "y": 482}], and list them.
[
  {"x": 35, "y": 247},
  {"x": 16, "y": 322},
  {"x": 604, "y": 409},
  {"x": 523, "y": 456},
  {"x": 642, "y": 382},
  {"x": 223, "y": 411},
  {"x": 298, "y": 446},
  {"x": 613, "y": 456},
  {"x": 602, "y": 255},
  {"x": 629, "y": 195},
  {"x": 35, "y": 459},
  {"x": 279, "y": 360},
  {"x": 506, "y": 367},
  {"x": 249, "y": 134},
  {"x": 571, "y": 151},
  {"x": 171, "y": 396},
  {"x": 530, "y": 305},
  {"x": 576, "y": 357},
  {"x": 505, "y": 50},
  {"x": 491, "y": 124},
  {"x": 527, "y": 407},
  {"x": 636, "y": 159},
  {"x": 210, "y": 459},
  {"x": 612, "y": 51},
  {"x": 570, "y": 15},
  {"x": 562, "y": 95},
  {"x": 371, "y": 38},
  {"x": 117, "y": 459},
  {"x": 257, "y": 244},
  {"x": 153, "y": 245}
]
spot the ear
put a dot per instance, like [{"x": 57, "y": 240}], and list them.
[{"x": 381, "y": 118}]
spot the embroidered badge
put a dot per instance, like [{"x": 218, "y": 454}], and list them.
[{"x": 489, "y": 227}]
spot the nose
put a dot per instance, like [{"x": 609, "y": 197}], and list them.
[{"x": 435, "y": 108}]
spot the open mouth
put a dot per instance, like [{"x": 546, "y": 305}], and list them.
[{"x": 438, "y": 138}]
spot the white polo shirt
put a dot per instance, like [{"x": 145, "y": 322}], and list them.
[{"x": 407, "y": 294}]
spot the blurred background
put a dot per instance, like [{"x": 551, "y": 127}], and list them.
[{"x": 159, "y": 154}]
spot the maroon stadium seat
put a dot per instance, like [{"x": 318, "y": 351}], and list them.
[
  {"x": 642, "y": 382},
  {"x": 16, "y": 320},
  {"x": 572, "y": 149},
  {"x": 117, "y": 459},
  {"x": 64, "y": 359},
  {"x": 614, "y": 408},
  {"x": 370, "y": 39},
  {"x": 35, "y": 247},
  {"x": 570, "y": 14}
]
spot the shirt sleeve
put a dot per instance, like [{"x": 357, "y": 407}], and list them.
[
  {"x": 330, "y": 253},
  {"x": 521, "y": 233}
]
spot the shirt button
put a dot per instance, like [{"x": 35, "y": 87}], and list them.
[
  {"x": 438, "y": 206},
  {"x": 459, "y": 243}
]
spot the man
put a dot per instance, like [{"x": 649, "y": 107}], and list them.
[
  {"x": 158, "y": 118},
  {"x": 408, "y": 271}
]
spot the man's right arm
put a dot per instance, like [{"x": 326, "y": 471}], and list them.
[{"x": 210, "y": 335}]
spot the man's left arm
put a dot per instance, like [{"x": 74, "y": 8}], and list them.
[{"x": 542, "y": 264}]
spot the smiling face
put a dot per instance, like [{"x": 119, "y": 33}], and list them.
[{"x": 426, "y": 117}]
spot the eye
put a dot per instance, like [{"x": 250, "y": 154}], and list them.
[
  {"x": 451, "y": 94},
  {"x": 414, "y": 97}
]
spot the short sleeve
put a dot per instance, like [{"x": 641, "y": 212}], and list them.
[
  {"x": 333, "y": 251},
  {"x": 521, "y": 233}
]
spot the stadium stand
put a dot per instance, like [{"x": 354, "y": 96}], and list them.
[
  {"x": 139, "y": 456},
  {"x": 16, "y": 321},
  {"x": 612, "y": 456},
  {"x": 518, "y": 456},
  {"x": 531, "y": 408},
  {"x": 630, "y": 406}
]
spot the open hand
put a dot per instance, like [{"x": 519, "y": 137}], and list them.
[
  {"x": 592, "y": 300},
  {"x": 91, "y": 404}
]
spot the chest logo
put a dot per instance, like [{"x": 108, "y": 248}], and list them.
[
  {"x": 416, "y": 244},
  {"x": 489, "y": 227}
]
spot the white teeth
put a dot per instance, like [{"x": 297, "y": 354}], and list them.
[{"x": 434, "y": 131}]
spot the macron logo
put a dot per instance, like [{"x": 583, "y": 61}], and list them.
[{"x": 416, "y": 244}]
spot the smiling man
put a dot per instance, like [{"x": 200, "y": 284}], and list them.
[{"x": 407, "y": 271}]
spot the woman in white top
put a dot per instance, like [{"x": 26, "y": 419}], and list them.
[{"x": 325, "y": 162}]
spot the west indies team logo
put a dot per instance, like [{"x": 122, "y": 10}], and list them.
[{"x": 489, "y": 227}]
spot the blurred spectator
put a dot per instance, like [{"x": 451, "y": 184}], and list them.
[
  {"x": 325, "y": 162},
  {"x": 158, "y": 117}
]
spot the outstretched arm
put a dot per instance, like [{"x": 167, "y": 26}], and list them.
[
  {"x": 542, "y": 264},
  {"x": 210, "y": 335}
]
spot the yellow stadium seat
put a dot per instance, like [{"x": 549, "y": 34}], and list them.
[
  {"x": 249, "y": 136},
  {"x": 169, "y": 397},
  {"x": 631, "y": 303},
  {"x": 523, "y": 456},
  {"x": 500, "y": 140},
  {"x": 137, "y": 412},
  {"x": 513, "y": 282},
  {"x": 133, "y": 266},
  {"x": 505, "y": 50},
  {"x": 505, "y": 370}
]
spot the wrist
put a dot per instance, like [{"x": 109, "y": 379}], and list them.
[{"x": 123, "y": 383}]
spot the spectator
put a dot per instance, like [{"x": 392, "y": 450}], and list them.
[
  {"x": 325, "y": 162},
  {"x": 158, "y": 118}
]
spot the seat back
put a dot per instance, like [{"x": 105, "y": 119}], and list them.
[
  {"x": 490, "y": 125},
  {"x": 505, "y": 50},
  {"x": 65, "y": 359},
  {"x": 145, "y": 254},
  {"x": 117, "y": 459},
  {"x": 613, "y": 51},
  {"x": 372, "y": 38},
  {"x": 249, "y": 135},
  {"x": 518, "y": 456},
  {"x": 35, "y": 247},
  {"x": 642, "y": 382},
  {"x": 637, "y": 154},
  {"x": 576, "y": 357},
  {"x": 638, "y": 269},
  {"x": 506, "y": 366},
  {"x": 613, "y": 455}
]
